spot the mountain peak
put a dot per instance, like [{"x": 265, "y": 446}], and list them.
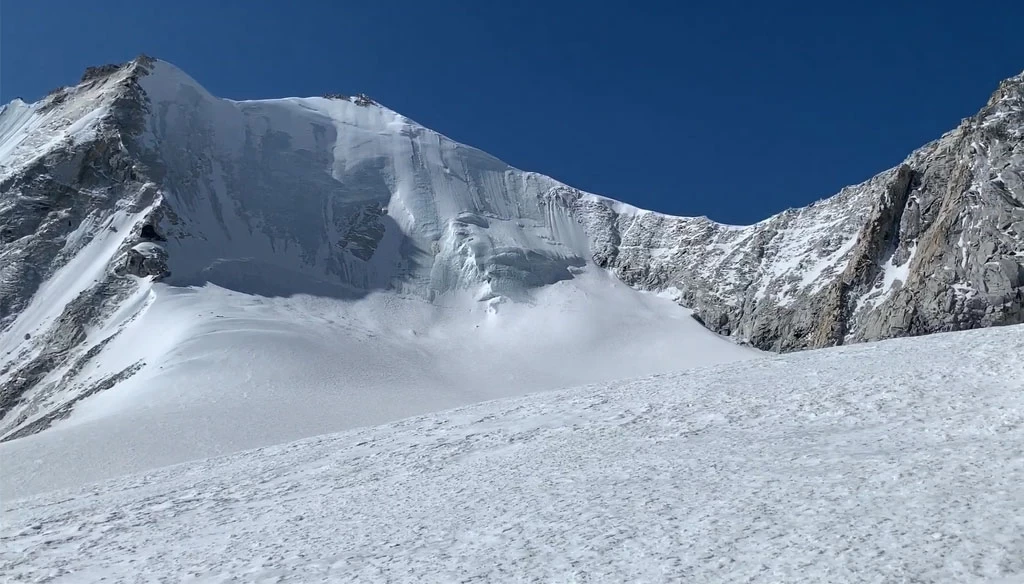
[{"x": 95, "y": 73}]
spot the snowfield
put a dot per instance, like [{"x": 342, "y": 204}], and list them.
[
  {"x": 228, "y": 371},
  {"x": 899, "y": 461}
]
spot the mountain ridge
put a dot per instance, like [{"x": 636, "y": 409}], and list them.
[
  {"x": 139, "y": 212},
  {"x": 875, "y": 286},
  {"x": 138, "y": 175}
]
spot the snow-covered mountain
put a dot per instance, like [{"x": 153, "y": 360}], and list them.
[
  {"x": 897, "y": 461},
  {"x": 174, "y": 264},
  {"x": 185, "y": 276}
]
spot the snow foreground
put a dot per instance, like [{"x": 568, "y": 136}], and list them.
[{"x": 893, "y": 461}]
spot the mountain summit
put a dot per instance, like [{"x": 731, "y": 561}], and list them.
[{"x": 154, "y": 238}]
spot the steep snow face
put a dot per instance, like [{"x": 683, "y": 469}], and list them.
[
  {"x": 888, "y": 462},
  {"x": 338, "y": 196}
]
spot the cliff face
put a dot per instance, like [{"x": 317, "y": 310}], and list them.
[
  {"x": 73, "y": 194},
  {"x": 935, "y": 244}
]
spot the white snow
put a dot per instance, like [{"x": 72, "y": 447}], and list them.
[
  {"x": 617, "y": 206},
  {"x": 226, "y": 371},
  {"x": 890, "y": 462},
  {"x": 282, "y": 180},
  {"x": 893, "y": 273},
  {"x": 17, "y": 119},
  {"x": 84, "y": 269},
  {"x": 797, "y": 261},
  {"x": 886, "y": 285},
  {"x": 148, "y": 249}
]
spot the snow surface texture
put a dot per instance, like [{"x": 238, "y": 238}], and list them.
[
  {"x": 327, "y": 196},
  {"x": 227, "y": 371},
  {"x": 898, "y": 461}
]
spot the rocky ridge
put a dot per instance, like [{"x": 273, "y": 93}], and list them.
[{"x": 935, "y": 244}]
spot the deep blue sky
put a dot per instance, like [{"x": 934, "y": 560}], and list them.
[{"x": 731, "y": 109}]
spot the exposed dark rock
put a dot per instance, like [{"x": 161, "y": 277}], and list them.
[
  {"x": 147, "y": 260},
  {"x": 92, "y": 73},
  {"x": 363, "y": 100},
  {"x": 65, "y": 409},
  {"x": 364, "y": 231},
  {"x": 149, "y": 233},
  {"x": 935, "y": 244}
]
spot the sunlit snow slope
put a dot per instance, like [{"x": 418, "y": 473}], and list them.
[
  {"x": 897, "y": 461},
  {"x": 227, "y": 371},
  {"x": 186, "y": 276}
]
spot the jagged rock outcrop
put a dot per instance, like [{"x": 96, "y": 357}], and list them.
[
  {"x": 147, "y": 259},
  {"x": 767, "y": 284},
  {"x": 935, "y": 244},
  {"x": 54, "y": 185},
  {"x": 362, "y": 99}
]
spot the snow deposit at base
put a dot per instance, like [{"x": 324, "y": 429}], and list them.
[
  {"x": 227, "y": 371},
  {"x": 896, "y": 461}
]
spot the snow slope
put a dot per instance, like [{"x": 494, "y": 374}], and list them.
[
  {"x": 889, "y": 462},
  {"x": 227, "y": 371}
]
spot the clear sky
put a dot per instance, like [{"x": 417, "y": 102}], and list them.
[{"x": 730, "y": 109}]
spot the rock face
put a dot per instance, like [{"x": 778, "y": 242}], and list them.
[
  {"x": 147, "y": 259},
  {"x": 137, "y": 174},
  {"x": 65, "y": 187},
  {"x": 933, "y": 245}
]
